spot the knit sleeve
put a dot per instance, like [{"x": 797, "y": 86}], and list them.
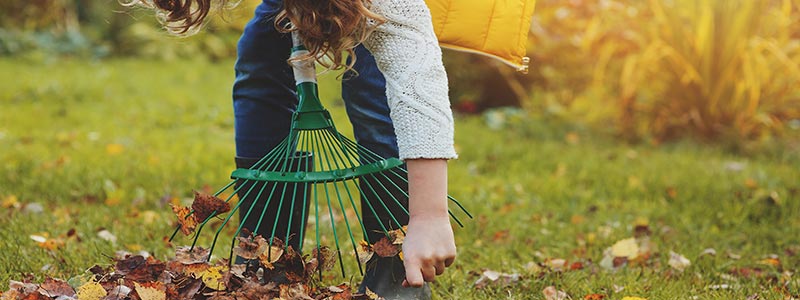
[{"x": 408, "y": 54}]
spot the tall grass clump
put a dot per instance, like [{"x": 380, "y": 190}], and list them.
[{"x": 714, "y": 69}]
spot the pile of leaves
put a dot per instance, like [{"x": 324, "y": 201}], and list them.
[
  {"x": 277, "y": 273},
  {"x": 272, "y": 270}
]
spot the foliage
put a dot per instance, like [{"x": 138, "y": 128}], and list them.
[
  {"x": 667, "y": 69},
  {"x": 93, "y": 151}
]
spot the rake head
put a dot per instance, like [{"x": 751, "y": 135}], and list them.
[{"x": 316, "y": 171}]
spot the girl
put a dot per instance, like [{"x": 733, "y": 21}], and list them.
[{"x": 395, "y": 92}]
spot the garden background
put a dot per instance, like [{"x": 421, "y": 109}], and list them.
[{"x": 672, "y": 122}]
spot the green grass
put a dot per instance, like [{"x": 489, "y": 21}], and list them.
[{"x": 109, "y": 145}]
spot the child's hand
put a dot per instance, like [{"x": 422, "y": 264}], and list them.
[{"x": 429, "y": 247}]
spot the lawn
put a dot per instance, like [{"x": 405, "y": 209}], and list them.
[{"x": 93, "y": 153}]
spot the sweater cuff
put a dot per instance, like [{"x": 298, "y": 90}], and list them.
[{"x": 428, "y": 151}]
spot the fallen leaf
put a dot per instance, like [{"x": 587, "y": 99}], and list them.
[
  {"x": 295, "y": 291},
  {"x": 267, "y": 258},
  {"x": 633, "y": 298},
  {"x": 678, "y": 262},
  {"x": 214, "y": 279},
  {"x": 107, "y": 236},
  {"x": 186, "y": 222},
  {"x": 188, "y": 256},
  {"x": 54, "y": 288},
  {"x": 91, "y": 291},
  {"x": 627, "y": 248},
  {"x": 495, "y": 278},
  {"x": 151, "y": 290},
  {"x": 551, "y": 293},
  {"x": 364, "y": 251},
  {"x": 114, "y": 149},
  {"x": 594, "y": 297},
  {"x": 385, "y": 248},
  {"x": 207, "y": 205},
  {"x": 250, "y": 247}
]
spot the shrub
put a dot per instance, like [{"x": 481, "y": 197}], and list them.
[{"x": 672, "y": 68}]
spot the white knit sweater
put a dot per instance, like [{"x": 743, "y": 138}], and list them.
[{"x": 408, "y": 54}]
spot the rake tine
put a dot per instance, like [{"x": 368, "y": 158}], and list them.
[
  {"x": 327, "y": 140},
  {"x": 249, "y": 210},
  {"x": 330, "y": 209},
  {"x": 219, "y": 230},
  {"x": 377, "y": 197},
  {"x": 391, "y": 195},
  {"x": 305, "y": 200}
]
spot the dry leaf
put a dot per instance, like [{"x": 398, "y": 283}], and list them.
[
  {"x": 495, "y": 278},
  {"x": 55, "y": 288},
  {"x": 186, "y": 222},
  {"x": 594, "y": 297},
  {"x": 364, "y": 251},
  {"x": 267, "y": 258},
  {"x": 633, "y": 298},
  {"x": 385, "y": 248},
  {"x": 551, "y": 293},
  {"x": 627, "y": 248},
  {"x": 213, "y": 278},
  {"x": 678, "y": 262},
  {"x": 207, "y": 205},
  {"x": 151, "y": 291},
  {"x": 91, "y": 291},
  {"x": 250, "y": 248},
  {"x": 188, "y": 256}
]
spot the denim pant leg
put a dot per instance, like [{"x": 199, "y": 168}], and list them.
[
  {"x": 364, "y": 95},
  {"x": 264, "y": 94}
]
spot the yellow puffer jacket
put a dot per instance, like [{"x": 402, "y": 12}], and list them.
[{"x": 497, "y": 28}]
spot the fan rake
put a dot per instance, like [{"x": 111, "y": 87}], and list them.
[{"x": 314, "y": 165}]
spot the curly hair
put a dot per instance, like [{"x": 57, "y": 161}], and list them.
[{"x": 329, "y": 28}]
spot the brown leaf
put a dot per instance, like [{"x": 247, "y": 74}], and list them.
[
  {"x": 325, "y": 257},
  {"x": 250, "y": 248},
  {"x": 138, "y": 268},
  {"x": 55, "y": 288},
  {"x": 207, "y": 205},
  {"x": 187, "y": 256},
  {"x": 186, "y": 222},
  {"x": 296, "y": 291},
  {"x": 385, "y": 248}
]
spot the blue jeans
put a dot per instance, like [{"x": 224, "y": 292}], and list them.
[{"x": 264, "y": 97}]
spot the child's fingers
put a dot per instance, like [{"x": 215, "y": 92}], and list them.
[
  {"x": 429, "y": 273},
  {"x": 414, "y": 277},
  {"x": 439, "y": 266},
  {"x": 448, "y": 262}
]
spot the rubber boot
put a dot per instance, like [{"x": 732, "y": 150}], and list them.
[
  {"x": 268, "y": 223},
  {"x": 384, "y": 275}
]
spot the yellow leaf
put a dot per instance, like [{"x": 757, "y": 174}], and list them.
[
  {"x": 151, "y": 291},
  {"x": 633, "y": 298},
  {"x": 371, "y": 294},
  {"x": 91, "y": 291},
  {"x": 213, "y": 278},
  {"x": 625, "y": 248},
  {"x": 114, "y": 149},
  {"x": 10, "y": 201},
  {"x": 364, "y": 252}
]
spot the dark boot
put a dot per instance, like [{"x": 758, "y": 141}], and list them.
[
  {"x": 281, "y": 228},
  {"x": 385, "y": 277}
]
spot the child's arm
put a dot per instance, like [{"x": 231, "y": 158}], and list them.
[
  {"x": 429, "y": 246},
  {"x": 408, "y": 54}
]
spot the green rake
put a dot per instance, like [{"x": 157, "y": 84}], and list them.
[{"x": 333, "y": 166}]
